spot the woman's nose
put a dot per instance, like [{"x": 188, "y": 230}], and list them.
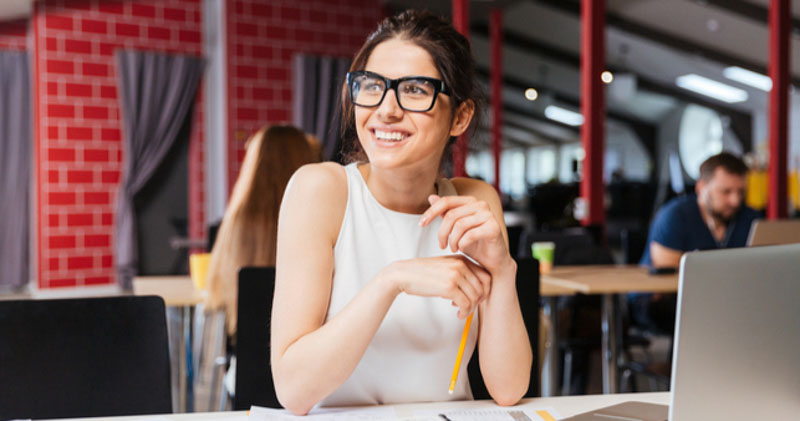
[{"x": 389, "y": 109}]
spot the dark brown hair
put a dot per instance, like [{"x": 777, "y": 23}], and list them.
[
  {"x": 727, "y": 161},
  {"x": 451, "y": 55}
]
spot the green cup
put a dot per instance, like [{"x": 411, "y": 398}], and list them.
[{"x": 543, "y": 252}]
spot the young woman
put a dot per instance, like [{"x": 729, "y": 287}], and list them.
[
  {"x": 371, "y": 255},
  {"x": 249, "y": 228}
]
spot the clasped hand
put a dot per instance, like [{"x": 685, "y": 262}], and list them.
[{"x": 468, "y": 226}]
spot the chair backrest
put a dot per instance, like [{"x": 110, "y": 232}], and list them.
[
  {"x": 86, "y": 357},
  {"x": 528, "y": 294},
  {"x": 254, "y": 384}
]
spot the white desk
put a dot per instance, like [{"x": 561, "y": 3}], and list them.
[{"x": 567, "y": 406}]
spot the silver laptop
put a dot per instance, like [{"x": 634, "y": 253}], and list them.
[
  {"x": 769, "y": 233},
  {"x": 737, "y": 346}
]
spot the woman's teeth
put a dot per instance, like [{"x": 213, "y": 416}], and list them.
[{"x": 391, "y": 136}]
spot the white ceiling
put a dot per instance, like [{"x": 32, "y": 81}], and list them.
[{"x": 15, "y": 9}]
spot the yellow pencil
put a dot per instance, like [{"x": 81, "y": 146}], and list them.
[{"x": 460, "y": 354}]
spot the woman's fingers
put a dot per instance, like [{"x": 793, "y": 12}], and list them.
[
  {"x": 440, "y": 205},
  {"x": 462, "y": 226},
  {"x": 449, "y": 219},
  {"x": 482, "y": 275}
]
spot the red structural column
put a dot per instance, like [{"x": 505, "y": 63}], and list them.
[
  {"x": 779, "y": 32},
  {"x": 496, "y": 51},
  {"x": 592, "y": 108},
  {"x": 461, "y": 23}
]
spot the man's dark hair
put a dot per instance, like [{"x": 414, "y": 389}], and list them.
[{"x": 729, "y": 162}]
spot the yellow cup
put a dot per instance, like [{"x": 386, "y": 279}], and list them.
[{"x": 198, "y": 269}]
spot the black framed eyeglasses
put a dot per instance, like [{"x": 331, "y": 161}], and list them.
[{"x": 413, "y": 93}]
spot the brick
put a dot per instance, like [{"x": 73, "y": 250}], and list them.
[
  {"x": 278, "y": 115},
  {"x": 109, "y": 6},
  {"x": 189, "y": 36},
  {"x": 53, "y": 220},
  {"x": 52, "y": 176},
  {"x": 262, "y": 51},
  {"x": 95, "y": 69},
  {"x": 290, "y": 13},
  {"x": 143, "y": 10},
  {"x": 52, "y": 264},
  {"x": 76, "y": 177},
  {"x": 51, "y": 44},
  {"x": 61, "y": 198},
  {"x": 61, "y": 155},
  {"x": 110, "y": 177},
  {"x": 58, "y": 22},
  {"x": 261, "y": 10},
  {"x": 94, "y": 26},
  {"x": 52, "y": 132},
  {"x": 107, "y": 48},
  {"x": 79, "y": 133},
  {"x": 61, "y": 241},
  {"x": 177, "y": 15},
  {"x": 317, "y": 16},
  {"x": 247, "y": 114},
  {"x": 82, "y": 262},
  {"x": 107, "y": 219},
  {"x": 77, "y": 46},
  {"x": 95, "y": 155},
  {"x": 97, "y": 241},
  {"x": 107, "y": 261},
  {"x": 249, "y": 72},
  {"x": 96, "y": 198},
  {"x": 80, "y": 220},
  {"x": 160, "y": 33},
  {"x": 95, "y": 112},
  {"x": 63, "y": 67},
  {"x": 79, "y": 89},
  {"x": 18, "y": 28},
  {"x": 303, "y": 35},
  {"x": 275, "y": 74},
  {"x": 276, "y": 32},
  {"x": 110, "y": 134},
  {"x": 62, "y": 283},
  {"x": 108, "y": 92},
  {"x": 263, "y": 94},
  {"x": 59, "y": 110},
  {"x": 97, "y": 280},
  {"x": 247, "y": 30},
  {"x": 52, "y": 88},
  {"x": 126, "y": 30}
]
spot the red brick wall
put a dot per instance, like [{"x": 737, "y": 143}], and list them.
[
  {"x": 262, "y": 38},
  {"x": 13, "y": 35},
  {"x": 78, "y": 147}
]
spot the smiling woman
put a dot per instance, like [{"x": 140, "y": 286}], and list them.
[{"x": 372, "y": 255}]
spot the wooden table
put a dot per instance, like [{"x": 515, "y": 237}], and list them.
[
  {"x": 178, "y": 292},
  {"x": 609, "y": 280},
  {"x": 567, "y": 406}
]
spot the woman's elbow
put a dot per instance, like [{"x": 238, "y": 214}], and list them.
[{"x": 294, "y": 401}]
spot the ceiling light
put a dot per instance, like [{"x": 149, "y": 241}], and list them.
[
  {"x": 749, "y": 78},
  {"x": 563, "y": 115},
  {"x": 711, "y": 88},
  {"x": 531, "y": 94},
  {"x": 607, "y": 77}
]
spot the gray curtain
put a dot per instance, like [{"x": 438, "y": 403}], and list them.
[
  {"x": 15, "y": 168},
  {"x": 317, "y": 99},
  {"x": 157, "y": 93}
]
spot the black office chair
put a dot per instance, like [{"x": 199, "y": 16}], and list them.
[
  {"x": 87, "y": 357},
  {"x": 528, "y": 294},
  {"x": 254, "y": 384}
]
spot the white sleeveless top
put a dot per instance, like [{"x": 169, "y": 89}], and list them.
[{"x": 411, "y": 357}]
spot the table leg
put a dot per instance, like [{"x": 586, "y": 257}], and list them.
[
  {"x": 182, "y": 362},
  {"x": 550, "y": 385},
  {"x": 609, "y": 342}
]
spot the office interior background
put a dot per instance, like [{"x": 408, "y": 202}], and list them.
[{"x": 686, "y": 79}]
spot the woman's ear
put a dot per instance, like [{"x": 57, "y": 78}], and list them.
[{"x": 462, "y": 118}]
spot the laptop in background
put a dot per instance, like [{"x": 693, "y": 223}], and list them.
[
  {"x": 769, "y": 233},
  {"x": 737, "y": 340}
]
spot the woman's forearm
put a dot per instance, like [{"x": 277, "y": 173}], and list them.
[
  {"x": 317, "y": 363},
  {"x": 504, "y": 348}
]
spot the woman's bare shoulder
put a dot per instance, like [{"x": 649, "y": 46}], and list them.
[
  {"x": 476, "y": 188},
  {"x": 316, "y": 196}
]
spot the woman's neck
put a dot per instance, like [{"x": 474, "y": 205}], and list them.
[{"x": 401, "y": 190}]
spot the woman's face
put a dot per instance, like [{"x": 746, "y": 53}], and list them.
[{"x": 392, "y": 137}]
